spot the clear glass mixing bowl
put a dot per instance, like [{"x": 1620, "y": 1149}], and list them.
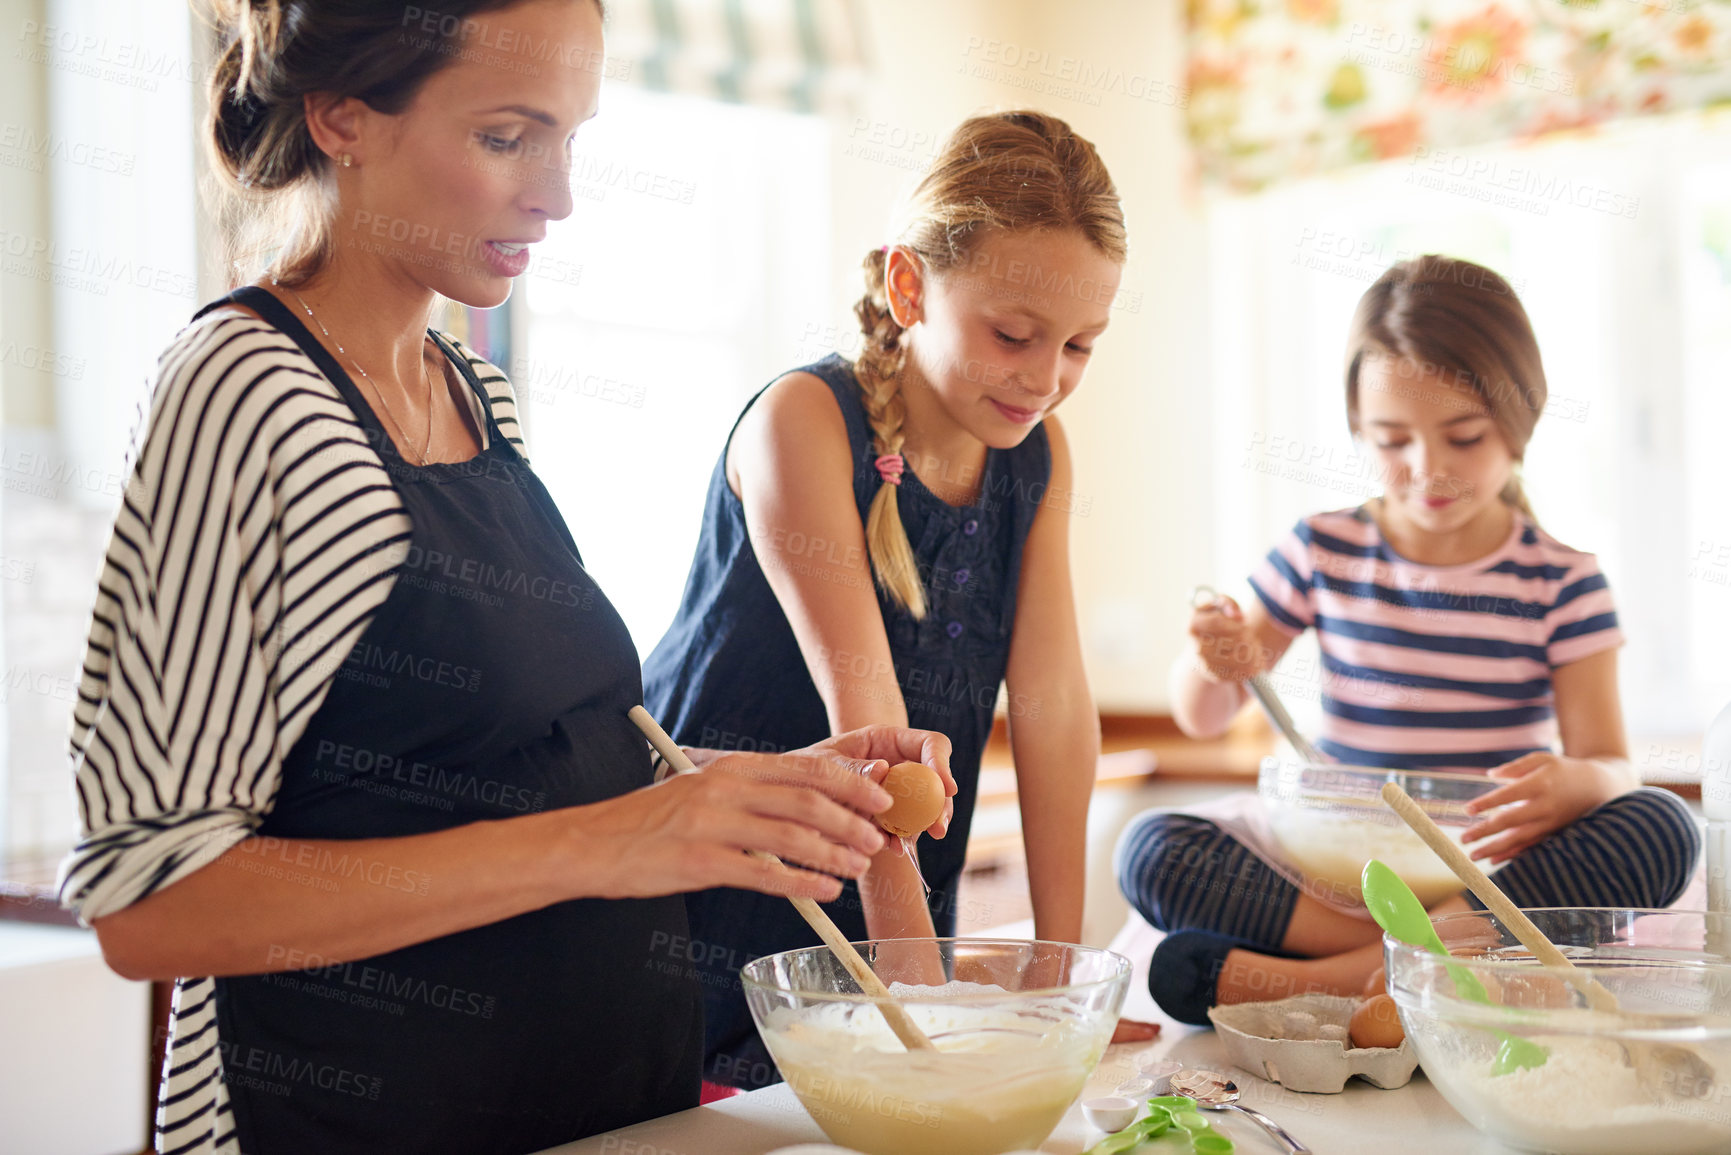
[
  {"x": 1018, "y": 1025},
  {"x": 1329, "y": 819},
  {"x": 1654, "y": 1077}
]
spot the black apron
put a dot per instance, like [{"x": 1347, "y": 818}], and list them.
[{"x": 493, "y": 682}]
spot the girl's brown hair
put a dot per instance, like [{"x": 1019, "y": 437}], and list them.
[
  {"x": 276, "y": 190},
  {"x": 1463, "y": 324},
  {"x": 1010, "y": 171}
]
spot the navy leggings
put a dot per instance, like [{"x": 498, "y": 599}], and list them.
[{"x": 1184, "y": 873}]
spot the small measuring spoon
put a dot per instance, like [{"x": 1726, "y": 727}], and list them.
[
  {"x": 1398, "y": 911},
  {"x": 1213, "y": 1091}
]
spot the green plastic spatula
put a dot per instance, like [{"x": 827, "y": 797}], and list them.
[{"x": 1399, "y": 912}]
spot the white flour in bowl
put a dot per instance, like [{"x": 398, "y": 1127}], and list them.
[{"x": 1584, "y": 1100}]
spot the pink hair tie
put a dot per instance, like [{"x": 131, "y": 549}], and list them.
[{"x": 890, "y": 467}]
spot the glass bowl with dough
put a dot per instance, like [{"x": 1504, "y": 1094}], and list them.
[
  {"x": 1329, "y": 819},
  {"x": 1017, "y": 1027}
]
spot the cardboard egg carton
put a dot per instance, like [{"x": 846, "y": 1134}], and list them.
[{"x": 1255, "y": 1039}]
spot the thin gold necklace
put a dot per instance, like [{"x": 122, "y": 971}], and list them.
[{"x": 427, "y": 445}]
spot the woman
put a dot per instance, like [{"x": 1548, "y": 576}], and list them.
[{"x": 352, "y": 750}]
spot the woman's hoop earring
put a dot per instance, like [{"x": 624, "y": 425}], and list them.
[{"x": 346, "y": 160}]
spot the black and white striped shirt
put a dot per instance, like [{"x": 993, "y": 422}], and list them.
[{"x": 257, "y": 535}]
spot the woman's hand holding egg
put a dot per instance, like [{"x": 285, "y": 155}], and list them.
[
  {"x": 810, "y": 807},
  {"x": 891, "y": 745},
  {"x": 794, "y": 805},
  {"x": 691, "y": 831}
]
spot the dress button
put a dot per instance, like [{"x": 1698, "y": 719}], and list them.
[
  {"x": 961, "y": 576},
  {"x": 970, "y": 527},
  {"x": 954, "y": 629}
]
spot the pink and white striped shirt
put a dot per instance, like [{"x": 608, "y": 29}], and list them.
[{"x": 1436, "y": 667}]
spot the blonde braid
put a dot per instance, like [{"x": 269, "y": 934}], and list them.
[
  {"x": 878, "y": 369},
  {"x": 1006, "y": 172}
]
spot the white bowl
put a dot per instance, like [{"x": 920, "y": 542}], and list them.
[{"x": 1110, "y": 1113}]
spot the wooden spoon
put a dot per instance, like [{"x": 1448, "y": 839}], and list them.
[
  {"x": 1678, "y": 1070},
  {"x": 910, "y": 1035}
]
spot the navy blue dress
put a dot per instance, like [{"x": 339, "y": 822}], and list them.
[{"x": 729, "y": 675}]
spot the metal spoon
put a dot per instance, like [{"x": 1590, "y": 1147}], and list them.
[
  {"x": 1205, "y": 597},
  {"x": 1213, "y": 1091}
]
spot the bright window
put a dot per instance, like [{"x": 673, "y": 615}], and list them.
[
  {"x": 1619, "y": 245},
  {"x": 698, "y": 246}
]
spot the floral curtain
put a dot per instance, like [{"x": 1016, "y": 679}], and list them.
[{"x": 1286, "y": 88}]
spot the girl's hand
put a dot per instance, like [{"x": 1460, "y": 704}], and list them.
[
  {"x": 1227, "y": 647},
  {"x": 884, "y": 746},
  {"x": 691, "y": 832},
  {"x": 1132, "y": 1031},
  {"x": 1545, "y": 793}
]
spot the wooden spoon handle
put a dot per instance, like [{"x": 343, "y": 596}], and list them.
[
  {"x": 904, "y": 1027},
  {"x": 1498, "y": 903}
]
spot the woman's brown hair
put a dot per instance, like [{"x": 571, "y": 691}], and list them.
[
  {"x": 1010, "y": 171},
  {"x": 275, "y": 186},
  {"x": 1461, "y": 323}
]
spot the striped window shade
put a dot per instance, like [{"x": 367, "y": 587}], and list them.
[
  {"x": 800, "y": 55},
  {"x": 1296, "y": 87}
]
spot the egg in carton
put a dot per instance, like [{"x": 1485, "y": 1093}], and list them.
[{"x": 1302, "y": 1044}]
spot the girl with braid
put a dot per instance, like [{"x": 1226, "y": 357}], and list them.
[{"x": 886, "y": 540}]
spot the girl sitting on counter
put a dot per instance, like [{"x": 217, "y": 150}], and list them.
[{"x": 1499, "y": 639}]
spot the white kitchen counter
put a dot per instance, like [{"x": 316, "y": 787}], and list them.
[
  {"x": 1361, "y": 1119},
  {"x": 74, "y": 1046}
]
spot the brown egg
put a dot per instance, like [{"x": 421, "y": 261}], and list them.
[
  {"x": 918, "y": 795},
  {"x": 1377, "y": 984},
  {"x": 1376, "y": 1024}
]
